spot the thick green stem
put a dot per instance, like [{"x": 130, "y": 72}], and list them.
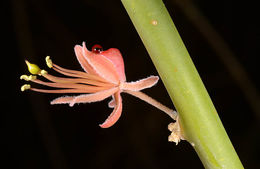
[{"x": 199, "y": 120}]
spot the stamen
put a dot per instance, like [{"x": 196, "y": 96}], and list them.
[
  {"x": 86, "y": 88},
  {"x": 61, "y": 69},
  {"x": 28, "y": 78},
  {"x": 25, "y": 87},
  {"x": 60, "y": 90},
  {"x": 76, "y": 80},
  {"x": 48, "y": 61},
  {"x": 75, "y": 73},
  {"x": 33, "y": 68}
]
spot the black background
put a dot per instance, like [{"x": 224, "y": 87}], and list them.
[{"x": 37, "y": 135}]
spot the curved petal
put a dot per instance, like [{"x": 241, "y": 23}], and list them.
[
  {"x": 83, "y": 62},
  {"x": 85, "y": 98},
  {"x": 101, "y": 65},
  {"x": 115, "y": 115},
  {"x": 112, "y": 102},
  {"x": 63, "y": 100},
  {"x": 94, "y": 97},
  {"x": 140, "y": 84},
  {"x": 116, "y": 58}
]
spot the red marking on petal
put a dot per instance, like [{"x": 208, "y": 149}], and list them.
[{"x": 115, "y": 115}]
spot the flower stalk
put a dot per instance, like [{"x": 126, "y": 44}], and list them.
[{"x": 199, "y": 122}]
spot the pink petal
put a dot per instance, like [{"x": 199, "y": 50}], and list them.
[
  {"x": 115, "y": 115},
  {"x": 83, "y": 62},
  {"x": 116, "y": 58},
  {"x": 112, "y": 102},
  {"x": 99, "y": 96},
  {"x": 101, "y": 65},
  {"x": 85, "y": 98},
  {"x": 141, "y": 84},
  {"x": 63, "y": 100}
]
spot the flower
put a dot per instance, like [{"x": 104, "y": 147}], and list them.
[{"x": 103, "y": 76}]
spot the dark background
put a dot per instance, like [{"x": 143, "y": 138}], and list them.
[{"x": 37, "y": 135}]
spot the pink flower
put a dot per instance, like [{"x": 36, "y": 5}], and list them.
[{"x": 103, "y": 76}]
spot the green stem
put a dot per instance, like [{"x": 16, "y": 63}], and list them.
[{"x": 199, "y": 120}]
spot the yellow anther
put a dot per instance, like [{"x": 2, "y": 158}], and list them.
[
  {"x": 48, "y": 61},
  {"x": 27, "y": 78},
  {"x": 33, "y": 68},
  {"x": 43, "y": 72},
  {"x": 25, "y": 87}
]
